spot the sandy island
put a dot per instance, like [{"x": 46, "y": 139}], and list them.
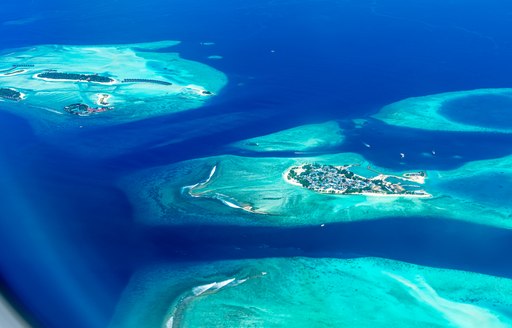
[
  {"x": 224, "y": 199},
  {"x": 103, "y": 99},
  {"x": 413, "y": 177},
  {"x": 36, "y": 76}
]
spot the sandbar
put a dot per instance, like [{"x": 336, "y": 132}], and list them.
[{"x": 309, "y": 137}]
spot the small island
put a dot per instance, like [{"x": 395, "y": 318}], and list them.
[
  {"x": 85, "y": 110},
  {"x": 10, "y": 94},
  {"x": 95, "y": 78},
  {"x": 329, "y": 179}
]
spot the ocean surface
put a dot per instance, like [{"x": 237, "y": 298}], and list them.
[{"x": 69, "y": 244}]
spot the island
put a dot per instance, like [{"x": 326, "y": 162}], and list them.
[
  {"x": 85, "y": 110},
  {"x": 139, "y": 81},
  {"x": 329, "y": 179},
  {"x": 75, "y": 77},
  {"x": 239, "y": 190},
  {"x": 278, "y": 292},
  {"x": 11, "y": 94}
]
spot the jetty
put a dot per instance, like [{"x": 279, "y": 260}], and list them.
[{"x": 146, "y": 81}]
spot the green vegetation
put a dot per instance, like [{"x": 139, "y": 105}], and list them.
[
  {"x": 10, "y": 94},
  {"x": 340, "y": 180},
  {"x": 75, "y": 77},
  {"x": 158, "y": 197},
  {"x": 54, "y": 78},
  {"x": 84, "y": 110}
]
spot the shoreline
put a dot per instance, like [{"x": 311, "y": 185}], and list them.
[
  {"x": 196, "y": 89},
  {"x": 35, "y": 76},
  {"x": 292, "y": 182},
  {"x": 367, "y": 194}
]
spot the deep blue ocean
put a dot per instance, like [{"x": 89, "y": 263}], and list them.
[{"x": 68, "y": 241}]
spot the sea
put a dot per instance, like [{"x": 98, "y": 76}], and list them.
[{"x": 68, "y": 240}]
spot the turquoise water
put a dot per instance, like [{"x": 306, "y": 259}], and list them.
[
  {"x": 302, "y": 292},
  {"x": 73, "y": 239},
  {"x": 493, "y": 111},
  {"x": 490, "y": 189}
]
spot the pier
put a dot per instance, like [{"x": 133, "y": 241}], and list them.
[{"x": 15, "y": 66}]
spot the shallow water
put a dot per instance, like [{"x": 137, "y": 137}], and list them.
[
  {"x": 68, "y": 231},
  {"x": 488, "y": 111}
]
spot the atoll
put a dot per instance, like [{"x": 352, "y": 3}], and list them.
[
  {"x": 50, "y": 81},
  {"x": 254, "y": 191}
]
